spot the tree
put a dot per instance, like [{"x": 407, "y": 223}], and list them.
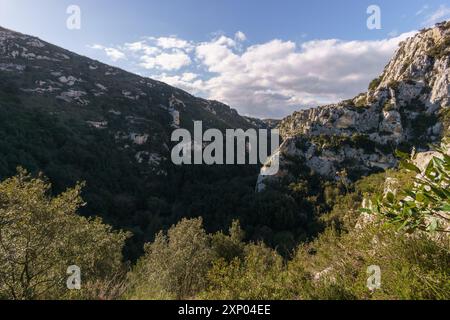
[
  {"x": 41, "y": 236},
  {"x": 256, "y": 276},
  {"x": 229, "y": 246},
  {"x": 175, "y": 264}
]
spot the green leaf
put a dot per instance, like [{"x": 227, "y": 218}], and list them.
[
  {"x": 420, "y": 197},
  {"x": 409, "y": 166},
  {"x": 390, "y": 197},
  {"x": 401, "y": 154}
]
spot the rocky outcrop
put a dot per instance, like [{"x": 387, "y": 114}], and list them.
[{"x": 408, "y": 105}]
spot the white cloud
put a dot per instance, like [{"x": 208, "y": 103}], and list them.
[
  {"x": 270, "y": 79},
  {"x": 113, "y": 53},
  {"x": 189, "y": 76},
  {"x": 217, "y": 55},
  {"x": 225, "y": 41},
  {"x": 277, "y": 77},
  {"x": 441, "y": 14},
  {"x": 171, "y": 42},
  {"x": 393, "y": 33},
  {"x": 187, "y": 81},
  {"x": 166, "y": 61},
  {"x": 240, "y": 36},
  {"x": 135, "y": 46},
  {"x": 142, "y": 46},
  {"x": 96, "y": 47}
]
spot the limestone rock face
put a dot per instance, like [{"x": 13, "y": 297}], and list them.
[{"x": 407, "y": 105}]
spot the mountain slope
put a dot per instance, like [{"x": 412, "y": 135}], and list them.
[
  {"x": 76, "y": 119},
  {"x": 407, "y": 106},
  {"x": 140, "y": 113},
  {"x": 63, "y": 82}
]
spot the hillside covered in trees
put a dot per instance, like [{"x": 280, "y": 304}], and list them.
[
  {"x": 187, "y": 262},
  {"x": 87, "y": 181}
]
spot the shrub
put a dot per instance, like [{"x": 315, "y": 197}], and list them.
[
  {"x": 375, "y": 83},
  {"x": 174, "y": 265},
  {"x": 335, "y": 266},
  {"x": 258, "y": 276},
  {"x": 41, "y": 236}
]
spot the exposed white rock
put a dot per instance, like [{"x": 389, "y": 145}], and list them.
[
  {"x": 139, "y": 139},
  {"x": 392, "y": 124},
  {"x": 175, "y": 118},
  {"x": 36, "y": 43},
  {"x": 152, "y": 159},
  {"x": 73, "y": 96},
  {"x": 130, "y": 95},
  {"x": 101, "y": 87},
  {"x": 415, "y": 83},
  {"x": 326, "y": 273},
  {"x": 27, "y": 55},
  {"x": 70, "y": 80},
  {"x": 46, "y": 89},
  {"x": 11, "y": 67},
  {"x": 114, "y": 112},
  {"x": 62, "y": 55},
  {"x": 176, "y": 103},
  {"x": 98, "y": 124}
]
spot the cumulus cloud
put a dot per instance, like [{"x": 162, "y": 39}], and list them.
[
  {"x": 240, "y": 36},
  {"x": 166, "y": 61},
  {"x": 187, "y": 81},
  {"x": 274, "y": 78},
  {"x": 142, "y": 46},
  {"x": 270, "y": 79},
  {"x": 171, "y": 42},
  {"x": 113, "y": 53}
]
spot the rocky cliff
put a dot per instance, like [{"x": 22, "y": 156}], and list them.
[{"x": 408, "y": 105}]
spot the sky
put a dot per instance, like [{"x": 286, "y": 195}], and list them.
[{"x": 264, "y": 58}]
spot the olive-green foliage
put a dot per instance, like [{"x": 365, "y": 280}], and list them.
[
  {"x": 256, "y": 276},
  {"x": 444, "y": 117},
  {"x": 174, "y": 265},
  {"x": 427, "y": 203},
  {"x": 57, "y": 141},
  {"x": 41, "y": 236},
  {"x": 346, "y": 206},
  {"x": 230, "y": 246},
  {"x": 441, "y": 50},
  {"x": 412, "y": 267},
  {"x": 334, "y": 266},
  {"x": 375, "y": 83}
]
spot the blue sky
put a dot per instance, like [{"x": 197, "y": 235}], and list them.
[{"x": 265, "y": 58}]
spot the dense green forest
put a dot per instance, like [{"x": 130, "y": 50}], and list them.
[
  {"x": 127, "y": 197},
  {"x": 42, "y": 234}
]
